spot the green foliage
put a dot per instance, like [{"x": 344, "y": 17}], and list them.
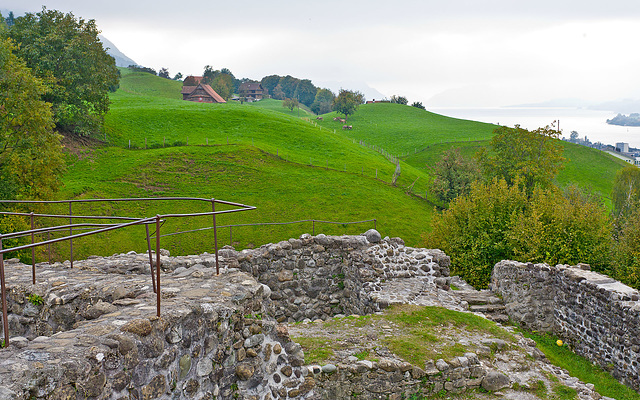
[
  {"x": 625, "y": 194},
  {"x": 453, "y": 175},
  {"x": 497, "y": 222},
  {"x": 67, "y": 55},
  {"x": 626, "y": 251},
  {"x": 290, "y": 104},
  {"x": 269, "y": 83},
  {"x": 347, "y": 102},
  {"x": 562, "y": 228},
  {"x": 30, "y": 152},
  {"x": 35, "y": 299},
  {"x": 533, "y": 158},
  {"x": 474, "y": 230},
  {"x": 323, "y": 101},
  {"x": 399, "y": 100},
  {"x": 305, "y": 92},
  {"x": 417, "y": 104}
]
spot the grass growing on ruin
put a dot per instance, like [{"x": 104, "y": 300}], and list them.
[
  {"x": 424, "y": 328},
  {"x": 581, "y": 368},
  {"x": 413, "y": 333},
  {"x": 316, "y": 350}
]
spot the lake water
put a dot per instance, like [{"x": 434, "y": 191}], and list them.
[{"x": 590, "y": 123}]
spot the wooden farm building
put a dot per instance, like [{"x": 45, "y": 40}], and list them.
[
  {"x": 201, "y": 93},
  {"x": 251, "y": 91}
]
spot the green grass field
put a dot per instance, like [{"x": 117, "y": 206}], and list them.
[{"x": 264, "y": 155}]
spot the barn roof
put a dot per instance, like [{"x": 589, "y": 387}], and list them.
[
  {"x": 250, "y": 86},
  {"x": 212, "y": 93}
]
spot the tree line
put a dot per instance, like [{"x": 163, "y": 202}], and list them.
[{"x": 504, "y": 203}]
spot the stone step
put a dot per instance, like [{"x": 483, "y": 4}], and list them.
[
  {"x": 487, "y": 308},
  {"x": 478, "y": 298}
]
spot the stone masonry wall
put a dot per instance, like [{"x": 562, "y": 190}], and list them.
[
  {"x": 91, "y": 335},
  {"x": 598, "y": 315}
]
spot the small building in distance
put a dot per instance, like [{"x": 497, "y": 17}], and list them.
[
  {"x": 194, "y": 90},
  {"x": 622, "y": 147},
  {"x": 251, "y": 91}
]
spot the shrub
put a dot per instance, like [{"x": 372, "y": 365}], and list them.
[{"x": 497, "y": 221}]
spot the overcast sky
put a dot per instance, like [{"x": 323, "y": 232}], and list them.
[{"x": 445, "y": 52}]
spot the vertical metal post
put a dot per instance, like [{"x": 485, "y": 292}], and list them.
[
  {"x": 313, "y": 229},
  {"x": 153, "y": 278},
  {"x": 70, "y": 234},
  {"x": 33, "y": 251},
  {"x": 5, "y": 321},
  {"x": 230, "y": 237},
  {"x": 375, "y": 224},
  {"x": 158, "y": 265},
  {"x": 215, "y": 235},
  {"x": 49, "y": 246}
]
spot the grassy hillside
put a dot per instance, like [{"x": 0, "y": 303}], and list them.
[
  {"x": 264, "y": 155},
  {"x": 282, "y": 191}
]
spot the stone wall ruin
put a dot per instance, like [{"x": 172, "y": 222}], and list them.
[{"x": 597, "y": 315}]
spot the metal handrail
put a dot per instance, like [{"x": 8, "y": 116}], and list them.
[{"x": 130, "y": 221}]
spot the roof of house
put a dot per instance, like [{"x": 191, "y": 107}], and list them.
[
  {"x": 196, "y": 79},
  {"x": 212, "y": 93},
  {"x": 244, "y": 86},
  {"x": 207, "y": 89}
]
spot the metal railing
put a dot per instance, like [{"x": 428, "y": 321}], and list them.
[{"x": 158, "y": 220}]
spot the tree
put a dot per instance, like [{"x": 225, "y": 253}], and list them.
[
  {"x": 625, "y": 194},
  {"x": 418, "y": 104},
  {"x": 399, "y": 100},
  {"x": 288, "y": 84},
  {"x": 164, "y": 73},
  {"x": 454, "y": 175},
  {"x": 269, "y": 83},
  {"x": 323, "y": 101},
  {"x": 67, "y": 55},
  {"x": 223, "y": 85},
  {"x": 305, "y": 92},
  {"x": 532, "y": 158},
  {"x": 31, "y": 158},
  {"x": 278, "y": 94},
  {"x": 178, "y": 76},
  {"x": 290, "y": 103},
  {"x": 347, "y": 102},
  {"x": 574, "y": 136}
]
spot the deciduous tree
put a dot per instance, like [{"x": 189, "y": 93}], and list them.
[
  {"x": 67, "y": 55},
  {"x": 454, "y": 175},
  {"x": 625, "y": 194},
  {"x": 347, "y": 102},
  {"x": 533, "y": 158},
  {"x": 30, "y": 152}
]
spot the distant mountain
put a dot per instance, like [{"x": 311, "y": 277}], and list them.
[
  {"x": 625, "y": 106},
  {"x": 361, "y": 86},
  {"x": 121, "y": 59},
  {"x": 557, "y": 103}
]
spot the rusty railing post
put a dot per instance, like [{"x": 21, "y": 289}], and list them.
[
  {"x": 158, "y": 265},
  {"x": 313, "y": 228},
  {"x": 153, "y": 278},
  {"x": 215, "y": 235},
  {"x": 33, "y": 251},
  {"x": 49, "y": 246},
  {"x": 230, "y": 237},
  {"x": 70, "y": 234},
  {"x": 5, "y": 321},
  {"x": 375, "y": 224}
]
